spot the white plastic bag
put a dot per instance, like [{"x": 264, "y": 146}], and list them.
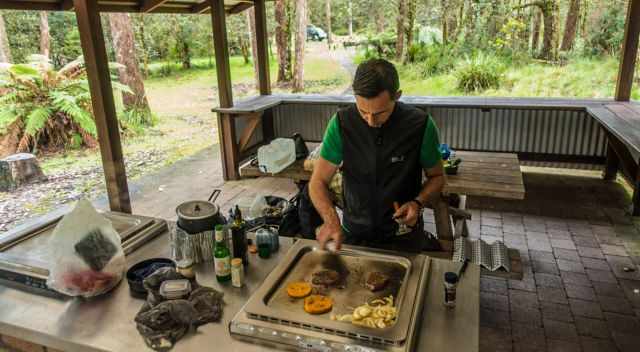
[
  {"x": 86, "y": 253},
  {"x": 277, "y": 155},
  {"x": 258, "y": 206}
]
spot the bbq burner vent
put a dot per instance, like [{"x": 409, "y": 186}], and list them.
[{"x": 338, "y": 332}]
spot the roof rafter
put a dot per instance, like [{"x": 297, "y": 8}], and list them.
[
  {"x": 201, "y": 7},
  {"x": 150, "y": 5}
]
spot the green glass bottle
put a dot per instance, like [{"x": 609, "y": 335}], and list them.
[{"x": 221, "y": 257}]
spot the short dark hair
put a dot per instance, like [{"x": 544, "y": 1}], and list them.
[{"x": 375, "y": 76}]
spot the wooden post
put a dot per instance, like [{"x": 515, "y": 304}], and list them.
[
  {"x": 264, "y": 81},
  {"x": 629, "y": 52},
  {"x": 226, "y": 123},
  {"x": 611, "y": 163},
  {"x": 104, "y": 110}
]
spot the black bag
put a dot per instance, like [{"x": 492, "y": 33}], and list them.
[{"x": 302, "y": 152}]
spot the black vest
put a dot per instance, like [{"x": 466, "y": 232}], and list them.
[{"x": 380, "y": 166}]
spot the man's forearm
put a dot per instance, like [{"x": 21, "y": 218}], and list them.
[
  {"x": 433, "y": 186},
  {"x": 321, "y": 200}
]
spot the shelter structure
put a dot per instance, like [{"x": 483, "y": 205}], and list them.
[{"x": 566, "y": 130}]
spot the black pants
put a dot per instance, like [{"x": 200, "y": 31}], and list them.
[{"x": 310, "y": 220}]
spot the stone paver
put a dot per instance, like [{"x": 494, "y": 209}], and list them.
[
  {"x": 592, "y": 263},
  {"x": 493, "y": 285},
  {"x": 601, "y": 275},
  {"x": 581, "y": 292},
  {"x": 555, "y": 311},
  {"x": 523, "y": 299},
  {"x": 545, "y": 267},
  {"x": 572, "y": 278},
  {"x": 631, "y": 289},
  {"x": 495, "y": 339},
  {"x": 562, "y": 243},
  {"x": 608, "y": 249},
  {"x": 591, "y": 344},
  {"x": 608, "y": 289},
  {"x": 560, "y": 331},
  {"x": 621, "y": 323},
  {"x": 567, "y": 265},
  {"x": 626, "y": 342},
  {"x": 494, "y": 318},
  {"x": 553, "y": 295},
  {"x": 563, "y": 346},
  {"x": 542, "y": 256},
  {"x": 586, "y": 241},
  {"x": 526, "y": 315},
  {"x": 548, "y": 280},
  {"x": 590, "y": 252},
  {"x": 623, "y": 267},
  {"x": 585, "y": 308},
  {"x": 566, "y": 254},
  {"x": 592, "y": 327},
  {"x": 615, "y": 305},
  {"x": 494, "y": 301}
]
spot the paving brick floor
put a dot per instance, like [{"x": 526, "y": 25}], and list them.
[{"x": 573, "y": 232}]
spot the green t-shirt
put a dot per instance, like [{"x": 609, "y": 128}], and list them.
[{"x": 429, "y": 151}]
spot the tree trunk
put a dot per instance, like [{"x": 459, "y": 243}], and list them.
[
  {"x": 444, "y": 18},
  {"x": 584, "y": 16},
  {"x": 5, "y": 50},
  {"x": 400, "y": 30},
  {"x": 535, "y": 32},
  {"x": 495, "y": 19},
  {"x": 19, "y": 169},
  {"x": 350, "y": 17},
  {"x": 571, "y": 26},
  {"x": 251, "y": 20},
  {"x": 123, "y": 44},
  {"x": 45, "y": 38},
  {"x": 328, "y": 24},
  {"x": 143, "y": 46},
  {"x": 411, "y": 19},
  {"x": 283, "y": 42},
  {"x": 470, "y": 21},
  {"x": 550, "y": 35},
  {"x": 301, "y": 39}
]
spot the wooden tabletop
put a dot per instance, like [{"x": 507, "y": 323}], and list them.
[{"x": 487, "y": 174}]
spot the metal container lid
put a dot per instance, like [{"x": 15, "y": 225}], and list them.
[
  {"x": 197, "y": 210},
  {"x": 171, "y": 289}
]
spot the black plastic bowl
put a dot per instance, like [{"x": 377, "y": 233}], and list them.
[{"x": 135, "y": 281}]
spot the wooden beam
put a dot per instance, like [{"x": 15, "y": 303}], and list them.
[
  {"x": 66, "y": 5},
  {"x": 629, "y": 52},
  {"x": 253, "y": 120},
  {"x": 260, "y": 14},
  {"x": 226, "y": 123},
  {"x": 239, "y": 7},
  {"x": 201, "y": 7},
  {"x": 29, "y": 5},
  {"x": 150, "y": 5},
  {"x": 104, "y": 109}
]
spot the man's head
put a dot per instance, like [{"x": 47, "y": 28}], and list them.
[{"x": 376, "y": 87}]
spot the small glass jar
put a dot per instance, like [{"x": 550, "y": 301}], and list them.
[
  {"x": 185, "y": 268},
  {"x": 450, "y": 286},
  {"x": 237, "y": 272}
]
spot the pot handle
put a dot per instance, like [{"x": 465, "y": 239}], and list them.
[{"x": 214, "y": 195}]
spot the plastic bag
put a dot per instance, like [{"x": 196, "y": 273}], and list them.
[{"x": 86, "y": 253}]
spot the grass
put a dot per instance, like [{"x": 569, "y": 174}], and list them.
[{"x": 580, "y": 78}]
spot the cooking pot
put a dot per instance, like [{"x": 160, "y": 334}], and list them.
[{"x": 197, "y": 216}]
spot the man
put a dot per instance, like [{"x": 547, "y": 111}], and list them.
[{"x": 383, "y": 146}]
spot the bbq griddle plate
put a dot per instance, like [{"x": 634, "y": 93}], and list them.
[{"x": 271, "y": 302}]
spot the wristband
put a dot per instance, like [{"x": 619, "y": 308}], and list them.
[{"x": 420, "y": 205}]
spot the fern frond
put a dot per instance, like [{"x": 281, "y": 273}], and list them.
[
  {"x": 36, "y": 120},
  {"x": 7, "y": 116},
  {"x": 121, "y": 87},
  {"x": 71, "y": 107}
]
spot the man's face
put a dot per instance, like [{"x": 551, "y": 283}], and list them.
[{"x": 376, "y": 111}]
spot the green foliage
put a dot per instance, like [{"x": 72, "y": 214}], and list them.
[
  {"x": 135, "y": 120},
  {"x": 509, "y": 39},
  {"x": 608, "y": 39},
  {"x": 53, "y": 105},
  {"x": 478, "y": 73},
  {"x": 432, "y": 59}
]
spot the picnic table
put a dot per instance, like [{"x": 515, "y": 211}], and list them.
[{"x": 485, "y": 174}]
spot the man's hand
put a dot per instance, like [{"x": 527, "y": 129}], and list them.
[
  {"x": 408, "y": 213},
  {"x": 328, "y": 232}
]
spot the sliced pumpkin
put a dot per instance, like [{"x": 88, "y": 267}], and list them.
[
  {"x": 317, "y": 304},
  {"x": 298, "y": 289}
]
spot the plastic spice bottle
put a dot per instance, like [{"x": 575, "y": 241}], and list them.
[
  {"x": 237, "y": 272},
  {"x": 450, "y": 286}
]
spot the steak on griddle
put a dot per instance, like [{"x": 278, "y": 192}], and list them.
[
  {"x": 376, "y": 281},
  {"x": 325, "y": 277}
]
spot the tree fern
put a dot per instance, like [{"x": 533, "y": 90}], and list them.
[
  {"x": 7, "y": 116},
  {"x": 70, "y": 106},
  {"x": 36, "y": 120}
]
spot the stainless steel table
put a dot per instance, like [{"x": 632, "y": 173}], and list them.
[{"x": 106, "y": 323}]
